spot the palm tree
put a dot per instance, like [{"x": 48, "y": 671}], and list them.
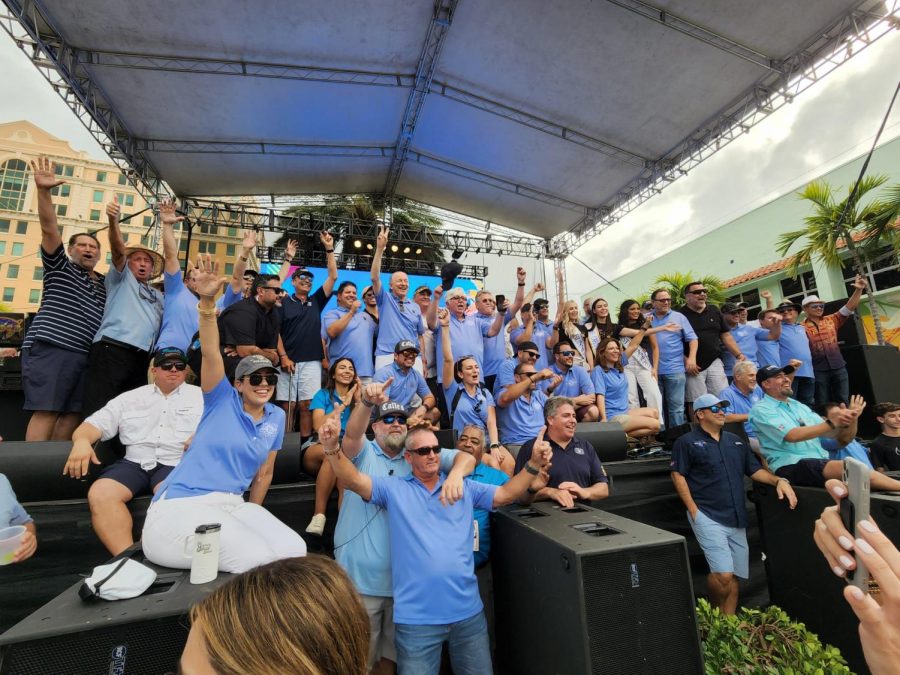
[
  {"x": 674, "y": 282},
  {"x": 826, "y": 233}
]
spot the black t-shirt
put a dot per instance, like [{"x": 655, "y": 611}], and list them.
[
  {"x": 247, "y": 322},
  {"x": 301, "y": 326},
  {"x": 709, "y": 326},
  {"x": 885, "y": 452}
]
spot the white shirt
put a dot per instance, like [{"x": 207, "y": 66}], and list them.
[
  {"x": 152, "y": 427},
  {"x": 430, "y": 354}
]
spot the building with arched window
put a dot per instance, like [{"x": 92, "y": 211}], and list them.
[{"x": 13, "y": 184}]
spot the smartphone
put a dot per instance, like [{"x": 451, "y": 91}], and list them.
[
  {"x": 501, "y": 300},
  {"x": 854, "y": 508}
]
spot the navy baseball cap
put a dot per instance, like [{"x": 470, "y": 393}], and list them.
[
  {"x": 405, "y": 345},
  {"x": 766, "y": 372},
  {"x": 169, "y": 354},
  {"x": 390, "y": 408}
]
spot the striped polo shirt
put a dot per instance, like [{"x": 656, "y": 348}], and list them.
[{"x": 71, "y": 305}]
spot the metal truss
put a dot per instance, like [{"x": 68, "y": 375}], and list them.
[
  {"x": 441, "y": 18},
  {"x": 212, "y": 212},
  {"x": 56, "y": 61},
  {"x": 817, "y": 58}
]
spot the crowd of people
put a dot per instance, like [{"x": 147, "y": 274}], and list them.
[{"x": 233, "y": 364}]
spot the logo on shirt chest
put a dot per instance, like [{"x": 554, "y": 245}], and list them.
[
  {"x": 579, "y": 451},
  {"x": 267, "y": 431}
]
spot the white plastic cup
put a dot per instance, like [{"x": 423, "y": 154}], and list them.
[
  {"x": 202, "y": 548},
  {"x": 10, "y": 541}
]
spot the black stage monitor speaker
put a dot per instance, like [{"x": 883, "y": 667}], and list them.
[
  {"x": 800, "y": 581},
  {"x": 584, "y": 591},
  {"x": 608, "y": 439},
  {"x": 140, "y": 636},
  {"x": 874, "y": 372}
]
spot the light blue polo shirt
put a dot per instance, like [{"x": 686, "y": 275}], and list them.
[
  {"x": 228, "y": 298},
  {"x": 397, "y": 320},
  {"x": 133, "y": 310},
  {"x": 326, "y": 400},
  {"x": 613, "y": 387},
  {"x": 362, "y": 543},
  {"x": 672, "y": 343},
  {"x": 505, "y": 375},
  {"x": 746, "y": 337},
  {"x": 11, "y": 511},
  {"x": 405, "y": 385},
  {"x": 466, "y": 339},
  {"x": 772, "y": 419},
  {"x": 513, "y": 336},
  {"x": 354, "y": 342},
  {"x": 741, "y": 403},
  {"x": 539, "y": 337},
  {"x": 491, "y": 476},
  {"x": 228, "y": 448},
  {"x": 794, "y": 344},
  {"x": 521, "y": 420},
  {"x": 469, "y": 409},
  {"x": 768, "y": 352},
  {"x": 575, "y": 382},
  {"x": 433, "y": 566},
  {"x": 180, "y": 320},
  {"x": 494, "y": 347}
]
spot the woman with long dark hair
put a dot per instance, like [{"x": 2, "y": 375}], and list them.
[
  {"x": 611, "y": 386},
  {"x": 600, "y": 324}
]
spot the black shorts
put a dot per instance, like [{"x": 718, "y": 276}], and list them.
[
  {"x": 53, "y": 378},
  {"x": 131, "y": 475},
  {"x": 809, "y": 472}
]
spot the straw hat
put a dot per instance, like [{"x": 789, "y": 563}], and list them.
[{"x": 158, "y": 262}]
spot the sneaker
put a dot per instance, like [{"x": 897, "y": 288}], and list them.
[{"x": 317, "y": 524}]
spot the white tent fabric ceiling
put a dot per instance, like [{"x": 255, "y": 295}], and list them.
[{"x": 593, "y": 67}]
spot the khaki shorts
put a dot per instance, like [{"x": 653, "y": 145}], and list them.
[{"x": 381, "y": 628}]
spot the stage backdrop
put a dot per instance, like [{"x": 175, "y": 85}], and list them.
[{"x": 362, "y": 279}]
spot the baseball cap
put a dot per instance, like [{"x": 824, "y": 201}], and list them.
[
  {"x": 169, "y": 354},
  {"x": 787, "y": 304},
  {"x": 810, "y": 299},
  {"x": 366, "y": 290},
  {"x": 390, "y": 408},
  {"x": 730, "y": 308},
  {"x": 422, "y": 288},
  {"x": 301, "y": 272},
  {"x": 766, "y": 372},
  {"x": 529, "y": 346},
  {"x": 540, "y": 302},
  {"x": 708, "y": 401},
  {"x": 404, "y": 345},
  {"x": 250, "y": 364}
]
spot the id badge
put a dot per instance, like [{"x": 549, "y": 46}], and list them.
[{"x": 475, "y": 543}]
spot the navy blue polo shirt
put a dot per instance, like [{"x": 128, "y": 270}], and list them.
[
  {"x": 715, "y": 472},
  {"x": 578, "y": 462},
  {"x": 301, "y": 325}
]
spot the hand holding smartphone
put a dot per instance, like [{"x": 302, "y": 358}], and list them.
[{"x": 854, "y": 509}]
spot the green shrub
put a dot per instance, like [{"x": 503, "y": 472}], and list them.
[{"x": 757, "y": 641}]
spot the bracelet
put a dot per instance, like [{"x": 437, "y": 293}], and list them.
[
  {"x": 829, "y": 423},
  {"x": 242, "y": 257},
  {"x": 494, "y": 445},
  {"x": 530, "y": 469},
  {"x": 521, "y": 284},
  {"x": 366, "y": 402},
  {"x": 331, "y": 454},
  {"x": 532, "y": 491},
  {"x": 329, "y": 250},
  {"x": 206, "y": 312}
]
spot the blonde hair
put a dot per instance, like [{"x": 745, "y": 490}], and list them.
[{"x": 297, "y": 615}]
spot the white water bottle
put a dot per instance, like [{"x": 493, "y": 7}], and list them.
[{"x": 202, "y": 548}]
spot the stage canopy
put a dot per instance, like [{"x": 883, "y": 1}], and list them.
[{"x": 552, "y": 118}]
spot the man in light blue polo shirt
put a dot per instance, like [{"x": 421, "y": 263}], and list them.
[
  {"x": 467, "y": 332},
  {"x": 431, "y": 529},
  {"x": 361, "y": 538},
  {"x": 527, "y": 353},
  {"x": 495, "y": 347},
  {"x": 673, "y": 364},
  {"x": 349, "y": 332},
  {"x": 742, "y": 394},
  {"x": 794, "y": 344},
  {"x": 399, "y": 318},
  {"x": 768, "y": 353},
  {"x": 406, "y": 385},
  {"x": 520, "y": 413},
  {"x": 543, "y": 329},
  {"x": 746, "y": 336},
  {"x": 575, "y": 384}
]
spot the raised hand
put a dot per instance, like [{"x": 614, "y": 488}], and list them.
[
  {"x": 766, "y": 295},
  {"x": 377, "y": 392},
  {"x": 326, "y": 239},
  {"x": 44, "y": 172},
  {"x": 520, "y": 275},
  {"x": 113, "y": 210},
  {"x": 350, "y": 395},
  {"x": 795, "y": 363},
  {"x": 329, "y": 433},
  {"x": 555, "y": 381},
  {"x": 540, "y": 451},
  {"x": 444, "y": 317},
  {"x": 859, "y": 283},
  {"x": 168, "y": 216},
  {"x": 354, "y": 306},
  {"x": 248, "y": 241},
  {"x": 545, "y": 374},
  {"x": 857, "y": 403},
  {"x": 206, "y": 280},
  {"x": 290, "y": 249},
  {"x": 538, "y": 287},
  {"x": 438, "y": 292},
  {"x": 382, "y": 239}
]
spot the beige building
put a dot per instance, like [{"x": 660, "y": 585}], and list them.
[{"x": 80, "y": 205}]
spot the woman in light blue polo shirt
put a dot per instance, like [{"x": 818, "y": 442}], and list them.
[
  {"x": 233, "y": 450},
  {"x": 468, "y": 401},
  {"x": 611, "y": 387}
]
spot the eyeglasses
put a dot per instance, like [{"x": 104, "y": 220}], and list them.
[
  {"x": 699, "y": 291},
  {"x": 533, "y": 355},
  {"x": 663, "y": 300},
  {"x": 147, "y": 294},
  {"x": 715, "y": 408},
  {"x": 816, "y": 305},
  {"x": 393, "y": 419},
  {"x": 276, "y": 290},
  {"x": 528, "y": 373},
  {"x": 172, "y": 365},
  {"x": 256, "y": 379},
  {"x": 409, "y": 353},
  {"x": 567, "y": 353},
  {"x": 424, "y": 452}
]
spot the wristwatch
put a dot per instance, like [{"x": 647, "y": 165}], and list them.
[{"x": 532, "y": 470}]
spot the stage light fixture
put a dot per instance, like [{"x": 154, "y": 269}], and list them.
[
  {"x": 357, "y": 244},
  {"x": 406, "y": 249},
  {"x": 369, "y": 247},
  {"x": 394, "y": 248},
  {"x": 418, "y": 251}
]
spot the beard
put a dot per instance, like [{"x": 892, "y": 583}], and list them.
[{"x": 394, "y": 442}]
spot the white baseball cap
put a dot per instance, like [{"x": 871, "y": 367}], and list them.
[{"x": 809, "y": 299}]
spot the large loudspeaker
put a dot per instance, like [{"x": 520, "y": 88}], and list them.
[
  {"x": 584, "y": 591},
  {"x": 800, "y": 581},
  {"x": 875, "y": 374},
  {"x": 143, "y": 635},
  {"x": 608, "y": 439}
]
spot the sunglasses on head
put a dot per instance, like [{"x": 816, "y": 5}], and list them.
[
  {"x": 256, "y": 379},
  {"x": 393, "y": 419},
  {"x": 427, "y": 450},
  {"x": 172, "y": 365}
]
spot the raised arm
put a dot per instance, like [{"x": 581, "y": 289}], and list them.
[
  {"x": 248, "y": 243},
  {"x": 45, "y": 179},
  {"x": 528, "y": 330},
  {"x": 431, "y": 314},
  {"x": 167, "y": 218},
  {"x": 380, "y": 244},
  {"x": 519, "y": 298},
  {"x": 518, "y": 484},
  {"x": 328, "y": 242},
  {"x": 767, "y": 296},
  {"x": 859, "y": 285},
  {"x": 349, "y": 476},
  {"x": 636, "y": 340},
  {"x": 116, "y": 243},
  {"x": 206, "y": 283},
  {"x": 775, "y": 330},
  {"x": 446, "y": 348},
  {"x": 529, "y": 296},
  {"x": 367, "y": 397},
  {"x": 290, "y": 250}
]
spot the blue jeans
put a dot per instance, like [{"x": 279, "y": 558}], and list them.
[
  {"x": 832, "y": 385},
  {"x": 804, "y": 389},
  {"x": 419, "y": 647},
  {"x": 672, "y": 386}
]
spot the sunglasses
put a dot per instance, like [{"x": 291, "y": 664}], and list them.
[
  {"x": 715, "y": 408},
  {"x": 567, "y": 353},
  {"x": 699, "y": 291},
  {"x": 528, "y": 373},
  {"x": 276, "y": 291},
  {"x": 816, "y": 305},
  {"x": 172, "y": 365},
  {"x": 424, "y": 452},
  {"x": 256, "y": 379},
  {"x": 533, "y": 355},
  {"x": 304, "y": 277},
  {"x": 393, "y": 419}
]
